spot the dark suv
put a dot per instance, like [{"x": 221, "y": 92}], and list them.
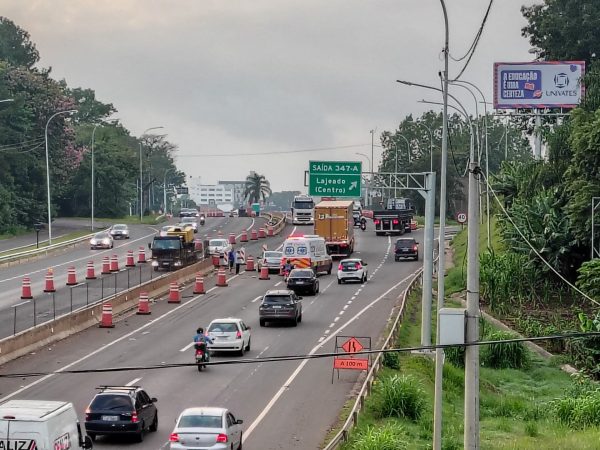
[
  {"x": 124, "y": 410},
  {"x": 406, "y": 248},
  {"x": 280, "y": 305},
  {"x": 303, "y": 280}
]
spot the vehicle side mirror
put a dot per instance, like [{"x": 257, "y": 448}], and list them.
[
  {"x": 149, "y": 245},
  {"x": 248, "y": 328},
  {"x": 365, "y": 264},
  {"x": 153, "y": 399},
  {"x": 87, "y": 443},
  {"x": 239, "y": 421},
  {"x": 300, "y": 298}
]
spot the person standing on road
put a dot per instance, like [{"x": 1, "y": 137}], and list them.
[
  {"x": 231, "y": 259},
  {"x": 237, "y": 261}
]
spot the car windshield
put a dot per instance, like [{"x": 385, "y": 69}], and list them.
[
  {"x": 119, "y": 227},
  {"x": 273, "y": 254},
  {"x": 405, "y": 243},
  {"x": 112, "y": 402},
  {"x": 166, "y": 244},
  {"x": 300, "y": 273},
  {"x": 350, "y": 264},
  {"x": 277, "y": 299},
  {"x": 101, "y": 236},
  {"x": 200, "y": 421},
  {"x": 222, "y": 327},
  {"x": 217, "y": 243}
]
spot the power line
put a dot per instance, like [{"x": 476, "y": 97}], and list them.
[
  {"x": 473, "y": 47},
  {"x": 22, "y": 143},
  {"x": 229, "y": 362},
  {"x": 304, "y": 150}
]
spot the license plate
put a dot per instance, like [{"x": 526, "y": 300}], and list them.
[
  {"x": 110, "y": 418},
  {"x": 299, "y": 282},
  {"x": 405, "y": 250},
  {"x": 276, "y": 307}
]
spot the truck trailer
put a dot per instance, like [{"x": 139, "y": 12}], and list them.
[
  {"x": 334, "y": 222},
  {"x": 395, "y": 218}
]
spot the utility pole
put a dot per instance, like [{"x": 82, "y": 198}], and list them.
[
  {"x": 372, "y": 163},
  {"x": 537, "y": 148}
]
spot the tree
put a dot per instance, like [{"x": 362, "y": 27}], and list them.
[
  {"x": 564, "y": 29},
  {"x": 15, "y": 46},
  {"x": 257, "y": 187}
]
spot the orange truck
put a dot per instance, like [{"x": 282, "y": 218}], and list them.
[{"x": 334, "y": 222}]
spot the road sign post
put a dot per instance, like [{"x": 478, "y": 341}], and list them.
[
  {"x": 351, "y": 347},
  {"x": 334, "y": 178}
]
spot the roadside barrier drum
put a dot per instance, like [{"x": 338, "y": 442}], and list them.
[
  {"x": 144, "y": 305},
  {"x": 90, "y": 273},
  {"x": 26, "y": 289},
  {"x": 49, "y": 281},
  {"x": 107, "y": 316}
]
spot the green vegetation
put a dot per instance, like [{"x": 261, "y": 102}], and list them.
[{"x": 58, "y": 240}]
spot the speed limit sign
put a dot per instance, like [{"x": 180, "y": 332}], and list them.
[{"x": 461, "y": 217}]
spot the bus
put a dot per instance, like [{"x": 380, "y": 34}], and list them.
[{"x": 303, "y": 210}]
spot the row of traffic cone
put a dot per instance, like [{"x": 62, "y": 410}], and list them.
[{"x": 109, "y": 265}]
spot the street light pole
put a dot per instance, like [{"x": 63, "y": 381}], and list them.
[
  {"x": 48, "y": 170},
  {"x": 141, "y": 174},
  {"x": 93, "y": 134},
  {"x": 372, "y": 158},
  {"x": 165, "y": 189}
]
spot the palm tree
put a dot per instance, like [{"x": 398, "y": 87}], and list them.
[{"x": 257, "y": 187}]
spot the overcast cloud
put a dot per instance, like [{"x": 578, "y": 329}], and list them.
[{"x": 247, "y": 76}]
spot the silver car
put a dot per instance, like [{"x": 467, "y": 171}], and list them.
[
  {"x": 271, "y": 259},
  {"x": 119, "y": 231},
  {"x": 190, "y": 221},
  {"x": 205, "y": 428},
  {"x": 218, "y": 246}
]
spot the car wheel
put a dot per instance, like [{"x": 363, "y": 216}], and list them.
[
  {"x": 248, "y": 346},
  {"x": 329, "y": 270},
  {"x": 262, "y": 322},
  {"x": 339, "y": 281},
  {"x": 317, "y": 288},
  {"x": 200, "y": 366},
  {"x": 242, "y": 350},
  {"x": 300, "y": 318},
  {"x": 240, "y": 446},
  {"x": 154, "y": 426},
  {"x": 295, "y": 322},
  {"x": 140, "y": 436},
  {"x": 417, "y": 257},
  {"x": 92, "y": 436}
]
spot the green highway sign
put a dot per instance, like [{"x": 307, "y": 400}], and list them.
[{"x": 334, "y": 178}]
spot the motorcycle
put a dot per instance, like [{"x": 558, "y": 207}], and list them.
[
  {"x": 363, "y": 224},
  {"x": 202, "y": 220},
  {"x": 202, "y": 355}
]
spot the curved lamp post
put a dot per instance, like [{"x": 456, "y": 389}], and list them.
[{"x": 70, "y": 111}]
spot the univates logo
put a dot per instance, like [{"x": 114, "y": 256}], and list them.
[{"x": 561, "y": 80}]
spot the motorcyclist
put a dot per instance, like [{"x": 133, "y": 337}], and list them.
[
  {"x": 287, "y": 268},
  {"x": 202, "y": 219},
  {"x": 200, "y": 341}
]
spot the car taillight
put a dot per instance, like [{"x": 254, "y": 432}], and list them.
[
  {"x": 174, "y": 437},
  {"x": 358, "y": 267},
  {"x": 376, "y": 221},
  {"x": 221, "y": 437},
  {"x": 238, "y": 335},
  {"x": 415, "y": 248},
  {"x": 134, "y": 418},
  {"x": 88, "y": 415},
  {"x": 340, "y": 267},
  {"x": 395, "y": 221}
]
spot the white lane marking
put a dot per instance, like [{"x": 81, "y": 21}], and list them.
[
  {"x": 278, "y": 283},
  {"x": 247, "y": 229},
  {"x": 256, "y": 299},
  {"x": 331, "y": 325},
  {"x": 262, "y": 352},
  {"x": 321, "y": 338},
  {"x": 212, "y": 289},
  {"x": 342, "y": 312},
  {"x": 345, "y": 307},
  {"x": 353, "y": 297},
  {"x": 289, "y": 381},
  {"x": 100, "y": 349},
  {"x": 187, "y": 347},
  {"x": 327, "y": 331},
  {"x": 336, "y": 319},
  {"x": 22, "y": 303},
  {"x": 281, "y": 246},
  {"x": 132, "y": 382}
]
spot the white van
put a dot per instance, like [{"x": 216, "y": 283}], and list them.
[
  {"x": 304, "y": 251},
  {"x": 40, "y": 425}
]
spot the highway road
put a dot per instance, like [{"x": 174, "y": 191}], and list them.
[
  {"x": 17, "y": 314},
  {"x": 284, "y": 405}
]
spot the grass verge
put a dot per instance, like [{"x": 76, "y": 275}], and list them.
[{"x": 64, "y": 238}]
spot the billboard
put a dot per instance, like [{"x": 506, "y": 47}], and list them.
[{"x": 541, "y": 84}]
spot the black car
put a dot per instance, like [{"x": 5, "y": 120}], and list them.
[
  {"x": 121, "y": 410},
  {"x": 280, "y": 305},
  {"x": 406, "y": 248},
  {"x": 303, "y": 280}
]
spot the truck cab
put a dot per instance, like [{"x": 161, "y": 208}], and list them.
[
  {"x": 174, "y": 250},
  {"x": 303, "y": 210}
]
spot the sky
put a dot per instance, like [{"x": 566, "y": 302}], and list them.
[{"x": 228, "y": 79}]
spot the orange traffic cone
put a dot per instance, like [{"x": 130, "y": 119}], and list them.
[
  {"x": 261, "y": 233},
  {"x": 244, "y": 236},
  {"x": 71, "y": 277},
  {"x": 141, "y": 255},
  {"x": 143, "y": 305},
  {"x": 49, "y": 281},
  {"x": 254, "y": 235},
  {"x": 174, "y": 296},
  {"x": 105, "y": 265},
  {"x": 264, "y": 273},
  {"x": 199, "y": 285},
  {"x": 107, "y": 316},
  {"x": 215, "y": 260},
  {"x": 90, "y": 273},
  {"x": 232, "y": 238},
  {"x": 250, "y": 264},
  {"x": 221, "y": 279},
  {"x": 26, "y": 290},
  {"x": 114, "y": 263},
  {"x": 130, "y": 262},
  {"x": 270, "y": 230}
]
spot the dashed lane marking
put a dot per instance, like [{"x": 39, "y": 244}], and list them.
[{"x": 132, "y": 382}]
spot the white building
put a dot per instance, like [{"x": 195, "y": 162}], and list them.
[
  {"x": 212, "y": 195},
  {"x": 238, "y": 188}
]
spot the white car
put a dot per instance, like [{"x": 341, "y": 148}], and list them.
[
  {"x": 229, "y": 335},
  {"x": 218, "y": 246},
  {"x": 189, "y": 221},
  {"x": 119, "y": 231},
  {"x": 206, "y": 428},
  {"x": 352, "y": 269}
]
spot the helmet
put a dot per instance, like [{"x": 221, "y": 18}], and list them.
[{"x": 200, "y": 330}]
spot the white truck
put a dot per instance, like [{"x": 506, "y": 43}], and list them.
[
  {"x": 40, "y": 425},
  {"x": 303, "y": 210}
]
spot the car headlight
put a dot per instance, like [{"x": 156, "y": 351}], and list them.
[
  {"x": 93, "y": 242},
  {"x": 106, "y": 241},
  {"x": 154, "y": 263}
]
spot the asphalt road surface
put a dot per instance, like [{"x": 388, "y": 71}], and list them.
[
  {"x": 284, "y": 405},
  {"x": 17, "y": 315}
]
